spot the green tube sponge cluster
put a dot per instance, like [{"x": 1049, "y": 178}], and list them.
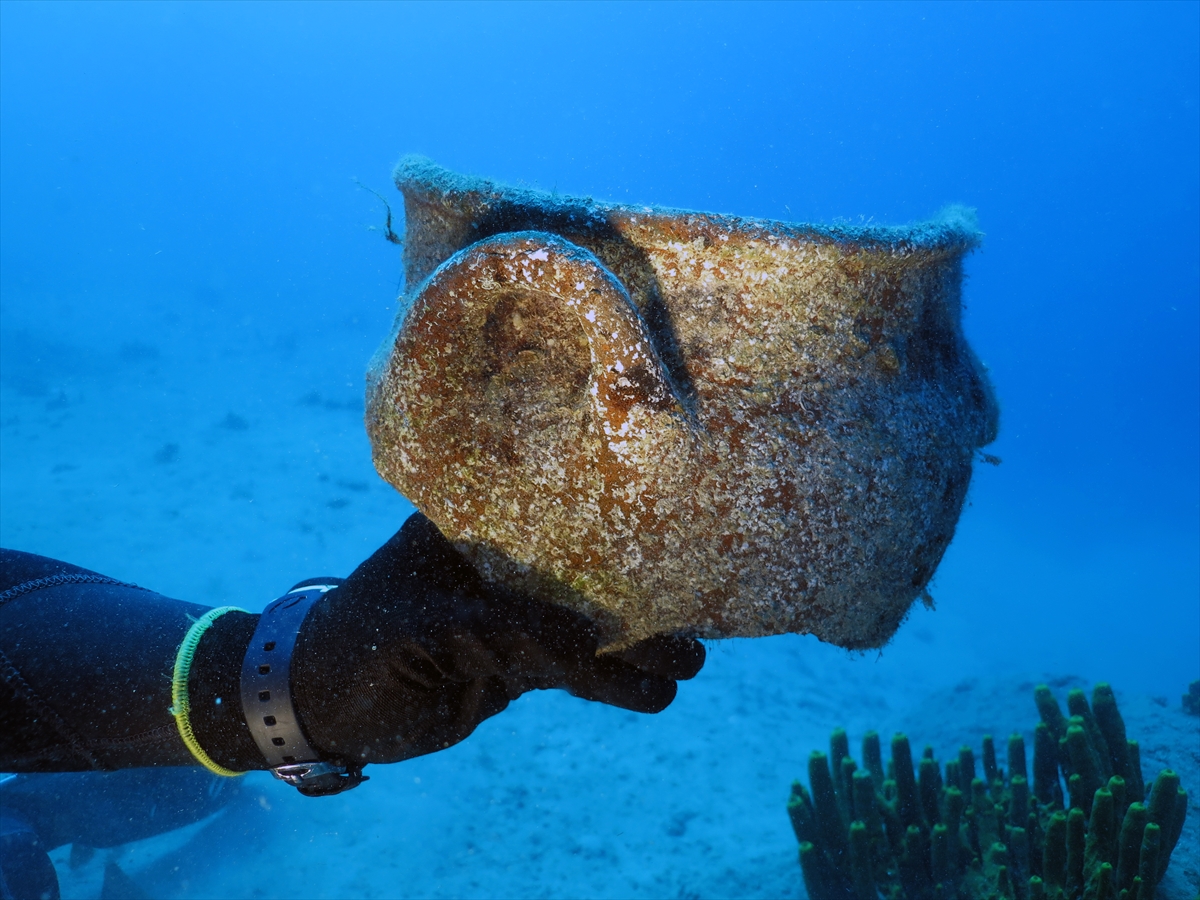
[{"x": 925, "y": 831}]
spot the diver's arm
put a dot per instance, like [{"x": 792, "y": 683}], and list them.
[
  {"x": 406, "y": 657},
  {"x": 85, "y": 669}
]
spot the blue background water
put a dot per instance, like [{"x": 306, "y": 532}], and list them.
[{"x": 186, "y": 261}]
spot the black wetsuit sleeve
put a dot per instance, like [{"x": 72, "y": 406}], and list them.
[{"x": 85, "y": 673}]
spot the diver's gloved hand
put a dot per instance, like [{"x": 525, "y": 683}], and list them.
[{"x": 414, "y": 650}]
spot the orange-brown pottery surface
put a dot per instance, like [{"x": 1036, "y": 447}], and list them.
[{"x": 678, "y": 421}]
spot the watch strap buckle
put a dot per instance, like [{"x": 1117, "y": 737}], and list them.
[{"x": 320, "y": 779}]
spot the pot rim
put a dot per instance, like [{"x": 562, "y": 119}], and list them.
[{"x": 953, "y": 230}]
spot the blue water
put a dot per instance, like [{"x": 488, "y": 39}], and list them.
[{"x": 183, "y": 239}]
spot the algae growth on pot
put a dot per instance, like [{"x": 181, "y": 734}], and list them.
[{"x": 678, "y": 421}]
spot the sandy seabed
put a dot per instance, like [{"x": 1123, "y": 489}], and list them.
[{"x": 222, "y": 473}]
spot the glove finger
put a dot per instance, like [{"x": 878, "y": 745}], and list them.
[
  {"x": 617, "y": 684},
  {"x": 668, "y": 656}
]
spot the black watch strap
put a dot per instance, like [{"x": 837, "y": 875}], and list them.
[{"x": 267, "y": 700}]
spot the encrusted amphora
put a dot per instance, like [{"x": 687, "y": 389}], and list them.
[{"x": 681, "y": 422}]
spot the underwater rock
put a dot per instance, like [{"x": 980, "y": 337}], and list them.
[
  {"x": 678, "y": 421},
  {"x": 908, "y": 833}
]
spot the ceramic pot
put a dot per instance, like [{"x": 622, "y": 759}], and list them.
[{"x": 682, "y": 422}]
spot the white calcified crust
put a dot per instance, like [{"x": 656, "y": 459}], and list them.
[{"x": 677, "y": 422}]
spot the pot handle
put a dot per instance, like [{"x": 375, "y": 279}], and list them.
[{"x": 626, "y": 369}]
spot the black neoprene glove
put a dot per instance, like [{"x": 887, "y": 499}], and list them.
[{"x": 414, "y": 650}]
